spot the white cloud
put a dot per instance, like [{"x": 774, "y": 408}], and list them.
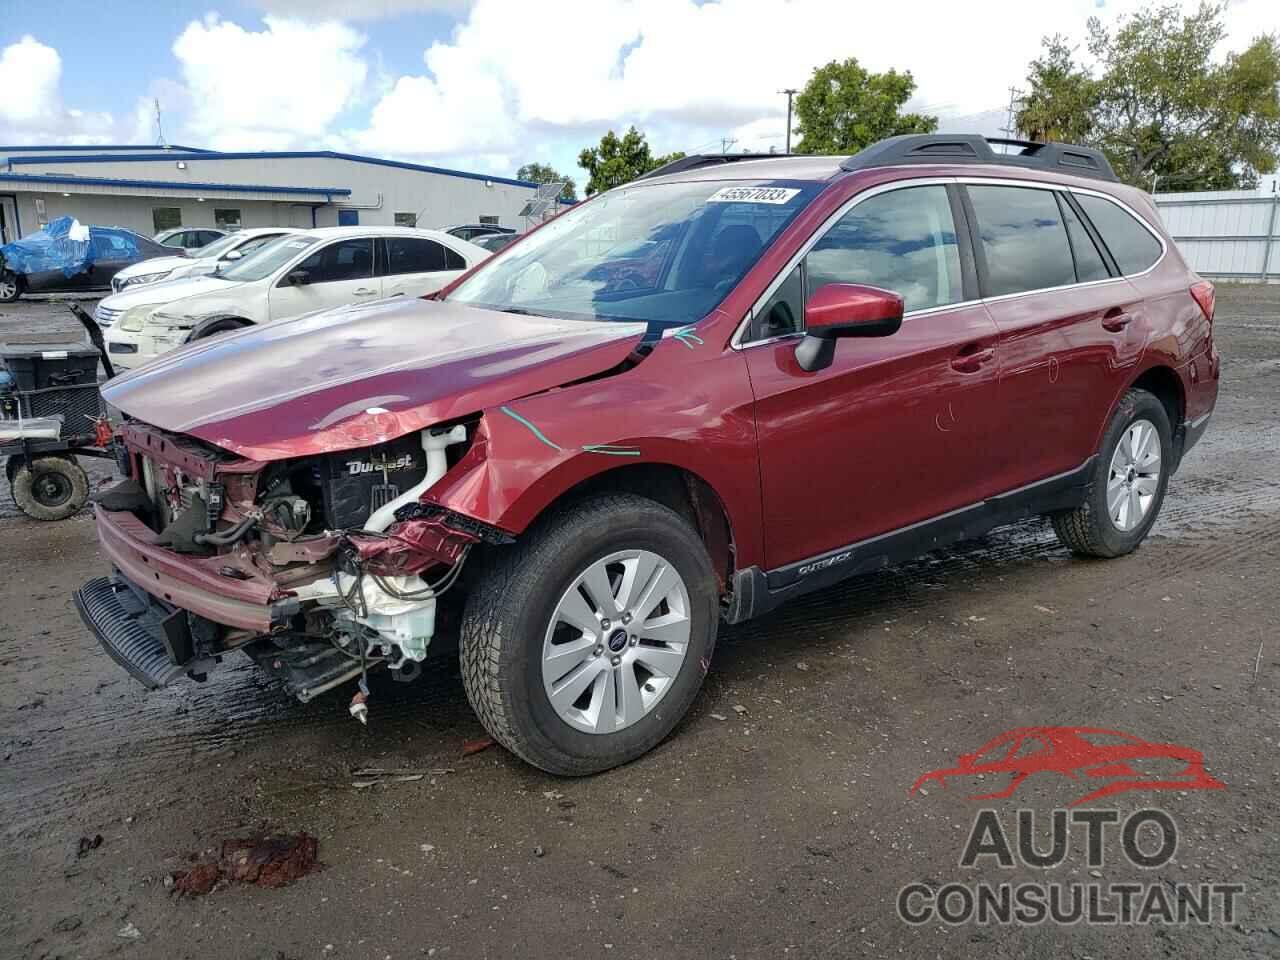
[
  {"x": 272, "y": 89},
  {"x": 366, "y": 10},
  {"x": 31, "y": 109},
  {"x": 691, "y": 73}
]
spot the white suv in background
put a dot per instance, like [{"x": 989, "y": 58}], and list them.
[
  {"x": 313, "y": 270},
  {"x": 221, "y": 253}
]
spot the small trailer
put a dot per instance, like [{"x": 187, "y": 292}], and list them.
[{"x": 51, "y": 413}]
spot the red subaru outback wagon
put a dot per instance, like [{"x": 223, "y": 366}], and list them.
[{"x": 681, "y": 402}]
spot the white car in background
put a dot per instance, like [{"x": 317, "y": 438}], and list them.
[
  {"x": 313, "y": 270},
  {"x": 221, "y": 253}
]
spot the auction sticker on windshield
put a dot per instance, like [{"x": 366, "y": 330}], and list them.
[{"x": 753, "y": 195}]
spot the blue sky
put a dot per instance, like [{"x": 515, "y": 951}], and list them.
[{"x": 476, "y": 84}]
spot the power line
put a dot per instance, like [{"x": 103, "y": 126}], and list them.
[{"x": 1009, "y": 130}]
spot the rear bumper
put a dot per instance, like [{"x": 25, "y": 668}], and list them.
[{"x": 190, "y": 583}]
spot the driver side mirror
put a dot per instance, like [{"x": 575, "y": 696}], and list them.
[
  {"x": 299, "y": 278},
  {"x": 232, "y": 255},
  {"x": 838, "y": 310}
]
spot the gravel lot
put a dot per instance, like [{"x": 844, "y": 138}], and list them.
[{"x": 784, "y": 828}]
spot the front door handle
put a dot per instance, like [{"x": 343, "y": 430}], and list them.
[
  {"x": 972, "y": 357},
  {"x": 1116, "y": 320},
  {"x": 364, "y": 292}
]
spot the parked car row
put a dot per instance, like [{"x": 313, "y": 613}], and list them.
[
  {"x": 115, "y": 258},
  {"x": 66, "y": 256},
  {"x": 283, "y": 275},
  {"x": 682, "y": 402}
]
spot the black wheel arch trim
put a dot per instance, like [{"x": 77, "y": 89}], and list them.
[{"x": 201, "y": 329}]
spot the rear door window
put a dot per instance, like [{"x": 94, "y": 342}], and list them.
[
  {"x": 1132, "y": 245},
  {"x": 414, "y": 255},
  {"x": 1024, "y": 240}
]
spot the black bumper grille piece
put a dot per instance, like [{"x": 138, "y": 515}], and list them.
[{"x": 133, "y": 633}]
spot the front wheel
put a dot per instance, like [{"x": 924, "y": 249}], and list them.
[
  {"x": 49, "y": 488},
  {"x": 585, "y": 643},
  {"x": 1129, "y": 481},
  {"x": 11, "y": 286},
  {"x": 215, "y": 328}
]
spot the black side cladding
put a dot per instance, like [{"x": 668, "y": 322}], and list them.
[{"x": 349, "y": 480}]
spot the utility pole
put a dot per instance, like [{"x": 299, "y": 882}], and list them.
[
  {"x": 726, "y": 143},
  {"x": 790, "y": 92}
]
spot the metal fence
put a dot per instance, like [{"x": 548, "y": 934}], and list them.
[{"x": 1226, "y": 235}]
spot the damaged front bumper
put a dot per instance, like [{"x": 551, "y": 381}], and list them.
[
  {"x": 224, "y": 589},
  {"x": 314, "y": 605}
]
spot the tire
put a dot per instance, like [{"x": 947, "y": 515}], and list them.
[
  {"x": 213, "y": 328},
  {"x": 11, "y": 286},
  {"x": 50, "y": 488},
  {"x": 507, "y": 626},
  {"x": 1091, "y": 530}
]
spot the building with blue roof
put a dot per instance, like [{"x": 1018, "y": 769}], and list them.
[{"x": 149, "y": 189}]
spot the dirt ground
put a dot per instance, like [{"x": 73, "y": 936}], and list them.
[{"x": 785, "y": 828}]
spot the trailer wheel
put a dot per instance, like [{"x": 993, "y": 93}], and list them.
[
  {"x": 11, "y": 286},
  {"x": 50, "y": 488}
]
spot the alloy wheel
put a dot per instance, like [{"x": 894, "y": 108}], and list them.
[
  {"x": 1134, "y": 477},
  {"x": 616, "y": 641}
]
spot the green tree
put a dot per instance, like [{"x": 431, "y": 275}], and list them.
[
  {"x": 618, "y": 160},
  {"x": 844, "y": 108},
  {"x": 1158, "y": 105},
  {"x": 545, "y": 173},
  {"x": 1062, "y": 99}
]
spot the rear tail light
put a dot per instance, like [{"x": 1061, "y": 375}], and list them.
[{"x": 1204, "y": 295}]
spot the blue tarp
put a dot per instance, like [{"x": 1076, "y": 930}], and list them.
[{"x": 69, "y": 246}]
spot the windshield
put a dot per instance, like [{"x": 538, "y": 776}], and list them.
[
  {"x": 267, "y": 259},
  {"x": 664, "y": 253},
  {"x": 219, "y": 246}
]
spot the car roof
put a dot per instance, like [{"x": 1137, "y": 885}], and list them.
[
  {"x": 326, "y": 233},
  {"x": 945, "y": 153},
  {"x": 780, "y": 167}
]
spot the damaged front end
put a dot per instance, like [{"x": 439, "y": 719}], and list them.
[{"x": 321, "y": 568}]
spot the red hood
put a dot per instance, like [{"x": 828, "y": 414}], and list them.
[{"x": 306, "y": 385}]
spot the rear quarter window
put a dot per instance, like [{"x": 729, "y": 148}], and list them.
[{"x": 1132, "y": 245}]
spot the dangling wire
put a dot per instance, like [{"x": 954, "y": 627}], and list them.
[{"x": 431, "y": 589}]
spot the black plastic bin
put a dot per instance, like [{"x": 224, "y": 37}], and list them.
[{"x": 40, "y": 366}]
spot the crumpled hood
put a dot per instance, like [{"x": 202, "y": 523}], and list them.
[
  {"x": 355, "y": 376},
  {"x": 167, "y": 291}
]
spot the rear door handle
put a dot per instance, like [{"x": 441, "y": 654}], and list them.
[
  {"x": 972, "y": 357},
  {"x": 1116, "y": 320},
  {"x": 364, "y": 292}
]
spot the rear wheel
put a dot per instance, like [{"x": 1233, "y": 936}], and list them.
[
  {"x": 11, "y": 286},
  {"x": 585, "y": 643},
  {"x": 49, "y": 488},
  {"x": 1129, "y": 481}
]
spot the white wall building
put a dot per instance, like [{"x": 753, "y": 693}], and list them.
[{"x": 148, "y": 189}]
